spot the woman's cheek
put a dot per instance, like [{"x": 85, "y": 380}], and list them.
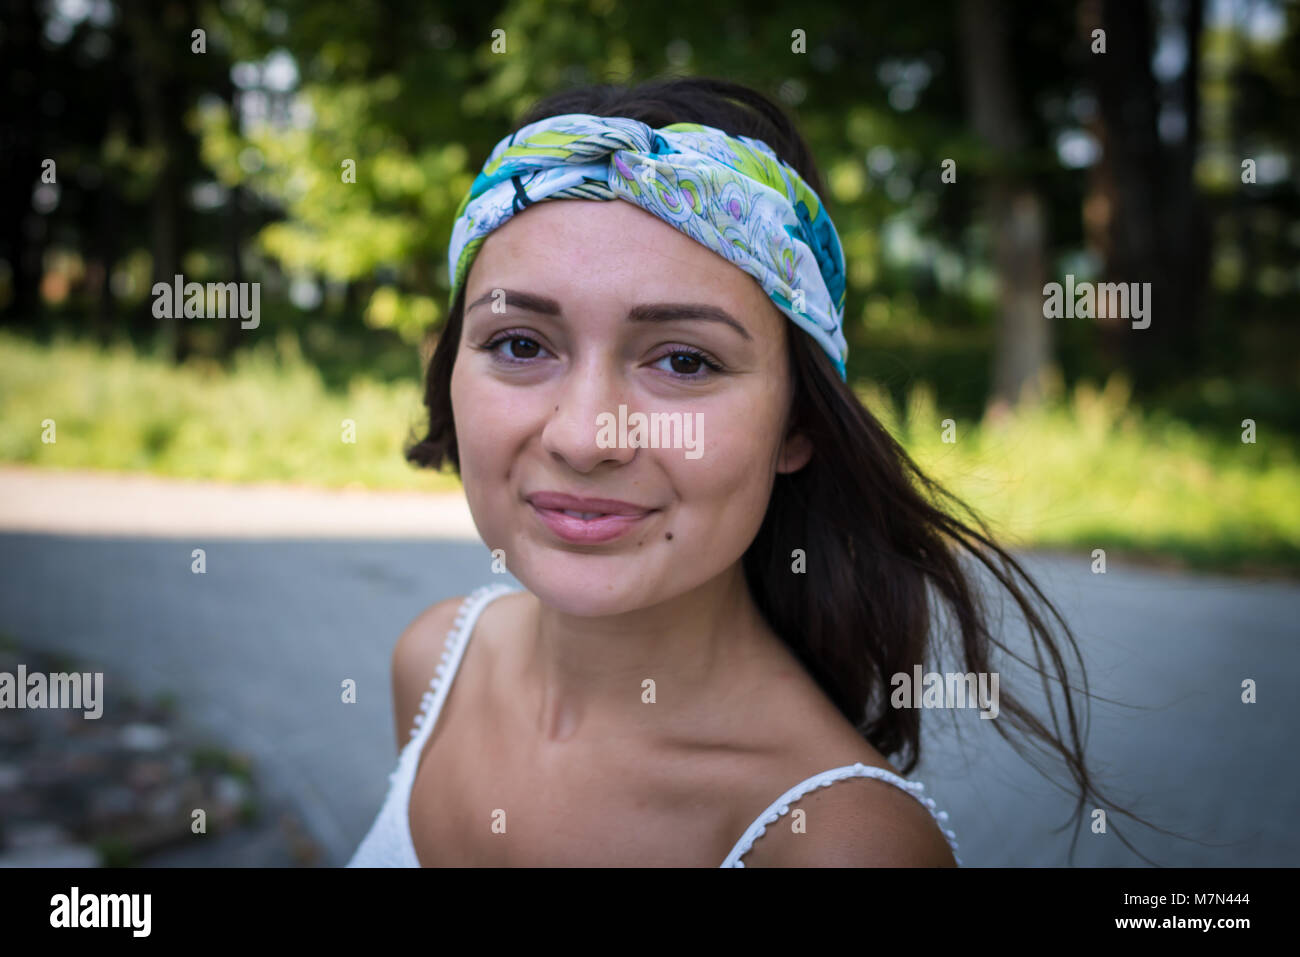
[{"x": 479, "y": 415}]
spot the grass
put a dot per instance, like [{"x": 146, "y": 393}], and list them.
[
  {"x": 1090, "y": 470},
  {"x": 270, "y": 418},
  {"x": 1085, "y": 470}
]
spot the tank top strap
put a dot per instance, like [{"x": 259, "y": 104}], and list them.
[
  {"x": 826, "y": 778},
  {"x": 453, "y": 651},
  {"x": 388, "y": 842}
]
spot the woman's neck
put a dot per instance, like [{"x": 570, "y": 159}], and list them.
[{"x": 585, "y": 674}]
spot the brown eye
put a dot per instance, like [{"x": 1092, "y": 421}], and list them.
[
  {"x": 529, "y": 348},
  {"x": 685, "y": 363},
  {"x": 689, "y": 364}
]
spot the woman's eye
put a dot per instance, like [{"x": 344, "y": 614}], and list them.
[
  {"x": 517, "y": 347},
  {"x": 687, "y": 365},
  {"x": 683, "y": 363}
]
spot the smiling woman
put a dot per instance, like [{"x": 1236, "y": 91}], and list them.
[{"x": 697, "y": 636}]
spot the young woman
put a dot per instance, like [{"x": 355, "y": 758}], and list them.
[{"x": 701, "y": 667}]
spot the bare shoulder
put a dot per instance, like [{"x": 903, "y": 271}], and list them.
[
  {"x": 415, "y": 660},
  {"x": 854, "y": 822}
]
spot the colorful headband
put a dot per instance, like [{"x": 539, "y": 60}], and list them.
[{"x": 731, "y": 193}]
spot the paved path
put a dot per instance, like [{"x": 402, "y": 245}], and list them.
[
  {"x": 111, "y": 503},
  {"x": 256, "y": 650}
]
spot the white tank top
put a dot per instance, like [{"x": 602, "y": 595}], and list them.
[{"x": 388, "y": 842}]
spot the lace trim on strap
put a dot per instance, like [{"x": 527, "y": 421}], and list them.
[
  {"x": 453, "y": 647},
  {"x": 782, "y": 806}
]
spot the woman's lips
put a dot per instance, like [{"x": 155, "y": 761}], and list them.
[{"x": 587, "y": 531}]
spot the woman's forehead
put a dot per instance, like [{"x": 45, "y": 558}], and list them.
[
  {"x": 581, "y": 246},
  {"x": 607, "y": 239}
]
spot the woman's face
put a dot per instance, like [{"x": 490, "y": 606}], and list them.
[{"x": 572, "y": 296}]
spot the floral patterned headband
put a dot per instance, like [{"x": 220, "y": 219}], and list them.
[{"x": 731, "y": 193}]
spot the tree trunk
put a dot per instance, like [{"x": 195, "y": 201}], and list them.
[
  {"x": 1022, "y": 348},
  {"x": 157, "y": 48},
  {"x": 1156, "y": 225},
  {"x": 234, "y": 228},
  {"x": 22, "y": 231}
]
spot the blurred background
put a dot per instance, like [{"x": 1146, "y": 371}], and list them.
[
  {"x": 1169, "y": 159},
  {"x": 973, "y": 152}
]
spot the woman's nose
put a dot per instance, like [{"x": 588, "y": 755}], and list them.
[{"x": 577, "y": 429}]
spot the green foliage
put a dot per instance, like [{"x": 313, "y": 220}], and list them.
[
  {"x": 1091, "y": 470},
  {"x": 270, "y": 418},
  {"x": 221, "y": 761},
  {"x": 250, "y": 812},
  {"x": 115, "y": 852}
]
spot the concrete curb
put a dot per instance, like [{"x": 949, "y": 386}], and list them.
[{"x": 86, "y": 502}]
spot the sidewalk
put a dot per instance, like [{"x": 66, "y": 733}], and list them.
[
  {"x": 140, "y": 505},
  {"x": 122, "y": 789}
]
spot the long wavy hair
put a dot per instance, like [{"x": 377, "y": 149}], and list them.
[{"x": 879, "y": 536}]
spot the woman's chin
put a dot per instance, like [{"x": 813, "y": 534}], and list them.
[{"x": 585, "y": 586}]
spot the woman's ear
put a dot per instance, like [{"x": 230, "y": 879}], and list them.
[{"x": 796, "y": 451}]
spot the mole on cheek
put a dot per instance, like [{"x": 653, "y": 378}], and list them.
[{"x": 669, "y": 536}]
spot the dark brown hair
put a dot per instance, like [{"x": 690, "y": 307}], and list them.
[{"x": 879, "y": 536}]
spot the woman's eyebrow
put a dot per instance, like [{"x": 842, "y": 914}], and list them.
[
  {"x": 645, "y": 312},
  {"x": 668, "y": 311},
  {"x": 519, "y": 300}
]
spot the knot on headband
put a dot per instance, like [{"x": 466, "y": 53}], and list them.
[{"x": 732, "y": 194}]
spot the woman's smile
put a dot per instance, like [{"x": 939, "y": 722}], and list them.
[{"x": 586, "y": 521}]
